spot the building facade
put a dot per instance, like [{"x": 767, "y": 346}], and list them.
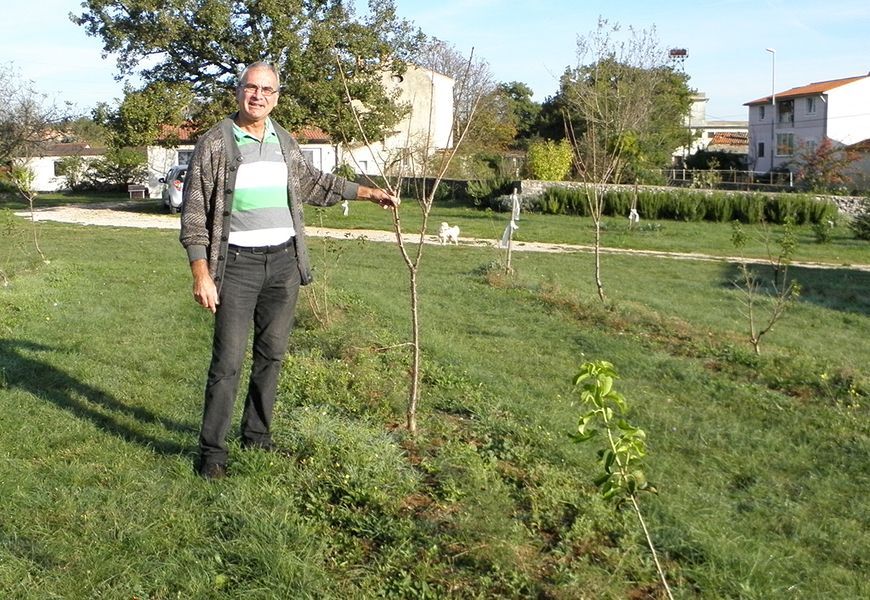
[{"x": 786, "y": 124}]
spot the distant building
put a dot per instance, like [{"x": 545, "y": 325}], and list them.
[
  {"x": 425, "y": 130},
  {"x": 47, "y": 175},
  {"x": 703, "y": 131},
  {"x": 805, "y": 115}
]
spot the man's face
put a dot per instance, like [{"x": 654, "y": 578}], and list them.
[{"x": 253, "y": 95}]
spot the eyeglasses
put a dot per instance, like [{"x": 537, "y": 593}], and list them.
[{"x": 251, "y": 89}]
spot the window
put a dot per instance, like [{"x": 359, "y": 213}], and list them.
[
  {"x": 784, "y": 144},
  {"x": 786, "y": 112},
  {"x": 184, "y": 157},
  {"x": 711, "y": 134},
  {"x": 761, "y": 112},
  {"x": 811, "y": 105},
  {"x": 760, "y": 149}
]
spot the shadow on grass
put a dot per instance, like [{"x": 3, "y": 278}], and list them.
[
  {"x": 844, "y": 290},
  {"x": 51, "y": 384}
]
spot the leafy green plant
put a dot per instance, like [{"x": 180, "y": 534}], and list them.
[
  {"x": 73, "y": 168},
  {"x": 345, "y": 170},
  {"x": 624, "y": 449},
  {"x": 549, "y": 160},
  {"x": 823, "y": 232},
  {"x": 860, "y": 225},
  {"x": 118, "y": 167}
]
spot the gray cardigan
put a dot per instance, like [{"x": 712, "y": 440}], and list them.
[{"x": 211, "y": 181}]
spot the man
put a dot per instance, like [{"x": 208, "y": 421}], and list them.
[{"x": 241, "y": 225}]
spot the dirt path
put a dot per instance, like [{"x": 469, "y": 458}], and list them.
[{"x": 125, "y": 214}]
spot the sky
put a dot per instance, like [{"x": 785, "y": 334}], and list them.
[{"x": 531, "y": 41}]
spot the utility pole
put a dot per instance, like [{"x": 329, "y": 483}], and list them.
[{"x": 772, "y": 105}]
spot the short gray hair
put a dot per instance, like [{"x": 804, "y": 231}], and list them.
[{"x": 260, "y": 64}]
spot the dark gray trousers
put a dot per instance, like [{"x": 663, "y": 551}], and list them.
[{"x": 258, "y": 287}]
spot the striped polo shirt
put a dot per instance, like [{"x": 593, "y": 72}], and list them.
[{"x": 261, "y": 215}]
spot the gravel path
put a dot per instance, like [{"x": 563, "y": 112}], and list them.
[{"x": 126, "y": 214}]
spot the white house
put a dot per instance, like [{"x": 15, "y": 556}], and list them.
[
  {"x": 781, "y": 125},
  {"x": 703, "y": 130},
  {"x": 426, "y": 128},
  {"x": 47, "y": 175},
  {"x": 428, "y": 124}
]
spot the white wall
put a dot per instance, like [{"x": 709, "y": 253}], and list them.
[
  {"x": 849, "y": 112},
  {"x": 429, "y": 98},
  {"x": 159, "y": 162},
  {"x": 44, "y": 179}
]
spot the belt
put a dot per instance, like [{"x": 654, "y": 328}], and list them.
[{"x": 262, "y": 249}]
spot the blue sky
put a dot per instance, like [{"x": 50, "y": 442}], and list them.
[{"x": 531, "y": 41}]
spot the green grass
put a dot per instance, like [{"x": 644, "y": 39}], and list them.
[
  {"x": 663, "y": 236},
  {"x": 760, "y": 462}
]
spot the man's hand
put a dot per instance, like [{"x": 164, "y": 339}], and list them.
[
  {"x": 204, "y": 289},
  {"x": 379, "y": 197}
]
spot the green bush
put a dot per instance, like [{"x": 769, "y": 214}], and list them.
[
  {"x": 486, "y": 193},
  {"x": 549, "y": 160},
  {"x": 860, "y": 225},
  {"x": 689, "y": 205}
]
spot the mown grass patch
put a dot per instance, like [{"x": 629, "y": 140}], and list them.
[{"x": 759, "y": 466}]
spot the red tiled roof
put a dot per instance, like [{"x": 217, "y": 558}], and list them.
[
  {"x": 311, "y": 135},
  {"x": 808, "y": 90},
  {"x": 730, "y": 138},
  {"x": 181, "y": 133}
]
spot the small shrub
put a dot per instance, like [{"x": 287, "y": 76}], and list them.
[
  {"x": 549, "y": 160},
  {"x": 860, "y": 225},
  {"x": 823, "y": 231}
]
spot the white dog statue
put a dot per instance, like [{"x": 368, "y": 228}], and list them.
[{"x": 448, "y": 234}]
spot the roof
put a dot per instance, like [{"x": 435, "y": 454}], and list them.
[
  {"x": 730, "y": 138},
  {"x": 735, "y": 142},
  {"x": 862, "y": 146},
  {"x": 185, "y": 132},
  {"x": 68, "y": 149},
  {"x": 311, "y": 135},
  {"x": 818, "y": 87}
]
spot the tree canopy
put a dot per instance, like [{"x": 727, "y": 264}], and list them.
[
  {"x": 316, "y": 45},
  {"x": 623, "y": 106},
  {"x": 28, "y": 119}
]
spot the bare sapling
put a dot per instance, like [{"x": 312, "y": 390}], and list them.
[
  {"x": 608, "y": 102},
  {"x": 778, "y": 293},
  {"x": 425, "y": 165},
  {"x": 23, "y": 178}
]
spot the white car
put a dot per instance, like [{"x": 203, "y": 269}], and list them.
[{"x": 173, "y": 187}]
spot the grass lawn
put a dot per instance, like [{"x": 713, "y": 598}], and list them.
[{"x": 760, "y": 462}]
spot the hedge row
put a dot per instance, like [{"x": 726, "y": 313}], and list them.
[{"x": 688, "y": 205}]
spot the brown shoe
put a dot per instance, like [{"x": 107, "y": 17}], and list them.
[{"x": 212, "y": 471}]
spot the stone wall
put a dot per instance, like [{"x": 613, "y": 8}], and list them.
[{"x": 529, "y": 188}]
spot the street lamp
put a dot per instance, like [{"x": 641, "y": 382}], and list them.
[{"x": 772, "y": 104}]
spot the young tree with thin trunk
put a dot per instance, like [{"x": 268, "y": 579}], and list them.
[
  {"x": 617, "y": 105},
  {"x": 427, "y": 165},
  {"x": 29, "y": 121}
]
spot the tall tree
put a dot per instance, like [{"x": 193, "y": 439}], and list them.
[
  {"x": 202, "y": 44},
  {"x": 621, "y": 105},
  {"x": 824, "y": 167},
  {"x": 523, "y": 109},
  {"x": 472, "y": 81},
  {"x": 29, "y": 119},
  {"x": 142, "y": 115}
]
